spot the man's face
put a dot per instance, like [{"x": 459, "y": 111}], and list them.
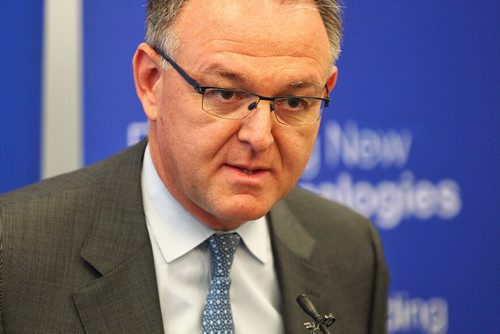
[{"x": 226, "y": 172}]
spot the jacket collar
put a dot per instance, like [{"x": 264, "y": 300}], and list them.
[
  {"x": 124, "y": 299},
  {"x": 294, "y": 250}
]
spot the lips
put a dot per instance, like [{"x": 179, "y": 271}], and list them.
[{"x": 248, "y": 170}]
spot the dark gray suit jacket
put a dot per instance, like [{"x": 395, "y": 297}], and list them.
[{"x": 75, "y": 257}]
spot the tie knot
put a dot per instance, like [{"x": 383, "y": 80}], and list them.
[{"x": 222, "y": 249}]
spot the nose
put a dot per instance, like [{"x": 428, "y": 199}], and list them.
[{"x": 256, "y": 128}]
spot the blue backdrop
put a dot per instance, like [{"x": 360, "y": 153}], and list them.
[
  {"x": 411, "y": 140},
  {"x": 20, "y": 76}
]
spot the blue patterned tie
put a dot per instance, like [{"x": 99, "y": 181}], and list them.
[{"x": 217, "y": 316}]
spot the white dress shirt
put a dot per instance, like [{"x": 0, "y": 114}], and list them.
[{"x": 182, "y": 265}]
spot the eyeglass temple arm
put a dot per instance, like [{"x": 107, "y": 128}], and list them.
[
  {"x": 327, "y": 98},
  {"x": 179, "y": 70}
]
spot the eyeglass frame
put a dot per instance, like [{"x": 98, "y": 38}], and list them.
[{"x": 200, "y": 89}]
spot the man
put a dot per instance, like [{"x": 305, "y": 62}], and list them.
[{"x": 233, "y": 91}]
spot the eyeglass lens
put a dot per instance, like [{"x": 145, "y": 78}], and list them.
[{"x": 234, "y": 104}]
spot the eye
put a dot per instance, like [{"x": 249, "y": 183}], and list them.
[
  {"x": 294, "y": 103},
  {"x": 226, "y": 94},
  {"x": 223, "y": 95}
]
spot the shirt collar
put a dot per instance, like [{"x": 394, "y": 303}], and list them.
[{"x": 177, "y": 232}]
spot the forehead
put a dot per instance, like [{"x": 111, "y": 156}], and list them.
[{"x": 256, "y": 30}]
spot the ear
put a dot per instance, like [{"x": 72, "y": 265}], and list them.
[
  {"x": 332, "y": 79},
  {"x": 147, "y": 74}
]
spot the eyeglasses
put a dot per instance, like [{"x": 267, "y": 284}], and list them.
[{"x": 235, "y": 104}]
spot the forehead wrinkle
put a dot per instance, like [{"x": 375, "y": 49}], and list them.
[
  {"x": 220, "y": 71},
  {"x": 252, "y": 48},
  {"x": 219, "y": 68}
]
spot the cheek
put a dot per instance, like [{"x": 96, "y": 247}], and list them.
[
  {"x": 179, "y": 120},
  {"x": 191, "y": 137},
  {"x": 296, "y": 148}
]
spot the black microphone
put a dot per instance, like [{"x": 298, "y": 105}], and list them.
[
  {"x": 308, "y": 307},
  {"x": 321, "y": 322}
]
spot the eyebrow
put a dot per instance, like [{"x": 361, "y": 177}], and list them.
[
  {"x": 221, "y": 72},
  {"x": 305, "y": 84}
]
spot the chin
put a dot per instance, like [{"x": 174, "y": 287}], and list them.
[{"x": 235, "y": 216}]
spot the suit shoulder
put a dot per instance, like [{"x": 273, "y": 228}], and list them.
[
  {"x": 67, "y": 206},
  {"x": 322, "y": 217},
  {"x": 311, "y": 203},
  {"x": 80, "y": 181}
]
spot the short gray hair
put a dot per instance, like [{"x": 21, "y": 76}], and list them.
[{"x": 162, "y": 13}]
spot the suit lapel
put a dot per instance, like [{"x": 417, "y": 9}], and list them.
[
  {"x": 293, "y": 249},
  {"x": 125, "y": 298}
]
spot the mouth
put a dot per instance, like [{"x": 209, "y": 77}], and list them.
[{"x": 248, "y": 171}]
